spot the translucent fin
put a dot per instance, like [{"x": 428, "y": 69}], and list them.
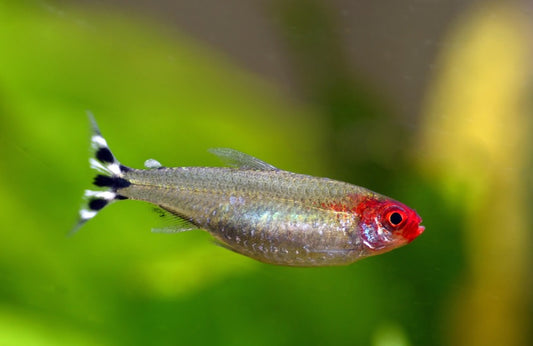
[
  {"x": 172, "y": 223},
  {"x": 171, "y": 229},
  {"x": 225, "y": 246},
  {"x": 241, "y": 160},
  {"x": 152, "y": 164}
]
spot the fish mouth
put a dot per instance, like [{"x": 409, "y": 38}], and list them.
[{"x": 421, "y": 229}]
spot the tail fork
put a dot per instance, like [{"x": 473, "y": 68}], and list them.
[{"x": 110, "y": 177}]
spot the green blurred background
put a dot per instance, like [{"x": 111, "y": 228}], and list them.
[{"x": 428, "y": 102}]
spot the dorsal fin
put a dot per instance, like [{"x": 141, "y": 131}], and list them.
[{"x": 241, "y": 160}]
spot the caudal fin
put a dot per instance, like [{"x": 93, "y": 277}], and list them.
[{"x": 109, "y": 179}]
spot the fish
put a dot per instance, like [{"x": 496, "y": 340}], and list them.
[{"x": 256, "y": 209}]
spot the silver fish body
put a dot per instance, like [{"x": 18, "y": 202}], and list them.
[
  {"x": 260, "y": 211},
  {"x": 273, "y": 216}
]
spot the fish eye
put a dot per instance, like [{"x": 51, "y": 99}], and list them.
[{"x": 395, "y": 218}]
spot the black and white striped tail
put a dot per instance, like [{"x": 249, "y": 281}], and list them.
[{"x": 109, "y": 179}]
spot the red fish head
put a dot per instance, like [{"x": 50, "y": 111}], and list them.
[{"x": 386, "y": 224}]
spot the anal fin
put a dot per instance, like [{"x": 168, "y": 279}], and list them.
[{"x": 174, "y": 223}]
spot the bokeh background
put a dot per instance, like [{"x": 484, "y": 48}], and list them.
[{"x": 429, "y": 102}]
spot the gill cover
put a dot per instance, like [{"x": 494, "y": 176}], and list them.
[{"x": 386, "y": 223}]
